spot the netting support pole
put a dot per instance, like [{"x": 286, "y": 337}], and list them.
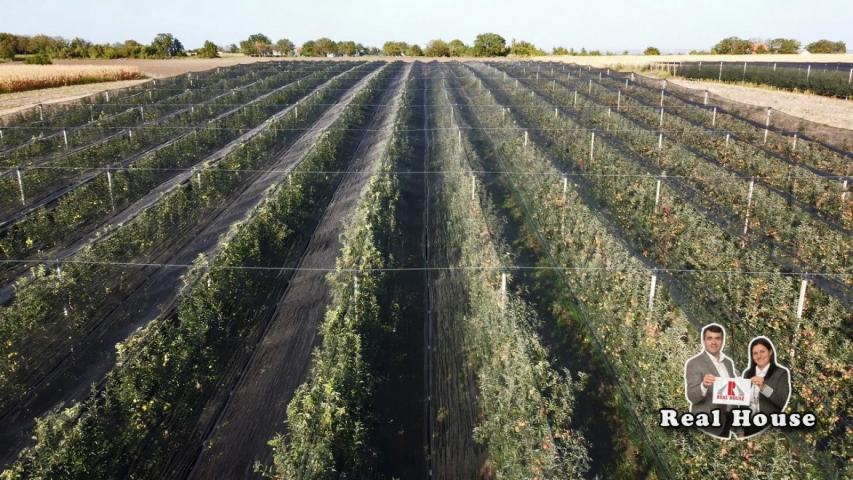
[
  {"x": 110, "y": 188},
  {"x": 21, "y": 185},
  {"x": 591, "y": 147},
  {"x": 526, "y": 136},
  {"x": 565, "y": 188},
  {"x": 473, "y": 187},
  {"x": 714, "y": 118},
  {"x": 65, "y": 137},
  {"x": 619, "y": 100},
  {"x": 767, "y": 125},
  {"x": 748, "y": 205},
  {"x": 652, "y": 291}
]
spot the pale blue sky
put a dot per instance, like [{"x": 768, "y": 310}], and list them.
[{"x": 670, "y": 25}]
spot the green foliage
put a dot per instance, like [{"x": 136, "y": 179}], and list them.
[
  {"x": 784, "y": 45},
  {"x": 651, "y": 51},
  {"x": 40, "y": 58},
  {"x": 489, "y": 45},
  {"x": 257, "y": 44},
  {"x": 166, "y": 45},
  {"x": 826, "y": 46},
  {"x": 437, "y": 48},
  {"x": 348, "y": 48},
  {"x": 324, "y": 47},
  {"x": 559, "y": 51},
  {"x": 167, "y": 372},
  {"x": 732, "y": 46},
  {"x": 284, "y": 47},
  {"x": 457, "y": 48},
  {"x": 414, "y": 51},
  {"x": 394, "y": 49},
  {"x": 831, "y": 83},
  {"x": 524, "y": 49},
  {"x": 329, "y": 419},
  {"x": 209, "y": 50}
]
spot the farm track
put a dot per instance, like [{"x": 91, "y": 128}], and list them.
[
  {"x": 76, "y": 239},
  {"x": 155, "y": 295},
  {"x": 280, "y": 361},
  {"x": 779, "y": 252}
]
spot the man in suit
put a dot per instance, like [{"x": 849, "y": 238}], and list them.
[{"x": 701, "y": 370}]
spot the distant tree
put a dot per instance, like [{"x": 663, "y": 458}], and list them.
[
  {"x": 489, "y": 45},
  {"x": 348, "y": 48},
  {"x": 394, "y": 49},
  {"x": 308, "y": 49},
  {"x": 594, "y": 53},
  {"x": 732, "y": 46},
  {"x": 559, "y": 51},
  {"x": 437, "y": 48},
  {"x": 208, "y": 50},
  {"x": 522, "y": 48},
  {"x": 457, "y": 48},
  {"x": 166, "y": 45},
  {"x": 256, "y": 44},
  {"x": 284, "y": 47},
  {"x": 761, "y": 49},
  {"x": 414, "y": 51},
  {"x": 8, "y": 46},
  {"x": 233, "y": 48},
  {"x": 374, "y": 51},
  {"x": 325, "y": 46},
  {"x": 826, "y": 46},
  {"x": 40, "y": 58},
  {"x": 583, "y": 52},
  {"x": 784, "y": 45},
  {"x": 651, "y": 51}
]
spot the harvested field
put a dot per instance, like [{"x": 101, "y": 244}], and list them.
[{"x": 19, "y": 78}]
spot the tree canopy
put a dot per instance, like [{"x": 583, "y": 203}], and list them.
[
  {"x": 489, "y": 45},
  {"x": 826, "y": 46}
]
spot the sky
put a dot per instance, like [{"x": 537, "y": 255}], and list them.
[{"x": 671, "y": 25}]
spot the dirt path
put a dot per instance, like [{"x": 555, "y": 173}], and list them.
[
  {"x": 14, "y": 102},
  {"x": 71, "y": 381},
  {"x": 256, "y": 408},
  {"x": 835, "y": 112}
]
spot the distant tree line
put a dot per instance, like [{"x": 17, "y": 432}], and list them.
[
  {"x": 164, "y": 45},
  {"x": 740, "y": 46}
]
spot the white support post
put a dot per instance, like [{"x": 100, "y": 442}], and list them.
[
  {"x": 150, "y": 99},
  {"x": 537, "y": 77},
  {"x": 850, "y": 77},
  {"x": 459, "y": 138},
  {"x": 591, "y": 147},
  {"x": 632, "y": 76},
  {"x": 503, "y": 287},
  {"x": 619, "y": 100},
  {"x": 565, "y": 187},
  {"x": 473, "y": 186},
  {"x": 110, "y": 187},
  {"x": 589, "y": 90},
  {"x": 516, "y": 84},
  {"x": 652, "y": 291},
  {"x": 728, "y": 135},
  {"x": 744, "y": 71},
  {"x": 141, "y": 113},
  {"x": 801, "y": 303},
  {"x": 661, "y": 97},
  {"x": 720, "y": 77},
  {"x": 556, "y": 112},
  {"x": 65, "y": 137},
  {"x": 706, "y": 98},
  {"x": 129, "y": 133},
  {"x": 575, "y": 103},
  {"x": 767, "y": 125},
  {"x": 714, "y": 118},
  {"x": 107, "y": 94},
  {"x": 808, "y": 73},
  {"x": 192, "y": 108},
  {"x": 1, "y": 134},
  {"x": 794, "y": 146},
  {"x": 21, "y": 185},
  {"x": 660, "y": 141},
  {"x": 198, "y": 178},
  {"x": 525, "y": 138},
  {"x": 553, "y": 85},
  {"x": 774, "y": 67},
  {"x": 41, "y": 112},
  {"x": 748, "y": 205},
  {"x": 661, "y": 119},
  {"x": 626, "y": 83},
  {"x": 700, "y": 65},
  {"x": 296, "y": 112},
  {"x": 657, "y": 194}
]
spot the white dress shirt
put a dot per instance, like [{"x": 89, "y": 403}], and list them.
[{"x": 721, "y": 370}]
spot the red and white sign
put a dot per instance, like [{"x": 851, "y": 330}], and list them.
[{"x": 732, "y": 391}]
